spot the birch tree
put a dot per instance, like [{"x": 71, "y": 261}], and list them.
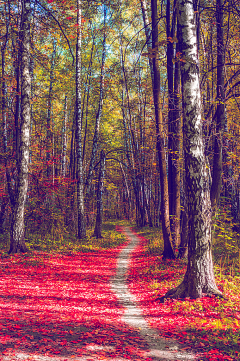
[
  {"x": 80, "y": 180},
  {"x": 199, "y": 277},
  {"x": 17, "y": 243}
]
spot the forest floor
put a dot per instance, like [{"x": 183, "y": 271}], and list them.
[{"x": 89, "y": 306}]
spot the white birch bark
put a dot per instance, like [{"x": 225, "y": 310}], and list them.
[
  {"x": 17, "y": 228},
  {"x": 80, "y": 180},
  {"x": 199, "y": 277}
]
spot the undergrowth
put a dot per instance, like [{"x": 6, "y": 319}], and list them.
[{"x": 67, "y": 241}]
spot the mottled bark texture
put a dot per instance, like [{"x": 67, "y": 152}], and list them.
[
  {"x": 17, "y": 243},
  {"x": 80, "y": 180},
  {"x": 99, "y": 217},
  {"x": 220, "y": 113},
  {"x": 167, "y": 238},
  {"x": 199, "y": 278}
]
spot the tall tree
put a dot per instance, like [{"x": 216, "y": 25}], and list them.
[
  {"x": 17, "y": 228},
  {"x": 64, "y": 137},
  {"x": 100, "y": 105},
  {"x": 220, "y": 112},
  {"x": 167, "y": 237},
  {"x": 80, "y": 179},
  {"x": 199, "y": 277},
  {"x": 173, "y": 77}
]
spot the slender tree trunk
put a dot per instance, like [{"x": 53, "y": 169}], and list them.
[
  {"x": 49, "y": 112},
  {"x": 4, "y": 200},
  {"x": 99, "y": 112},
  {"x": 17, "y": 228},
  {"x": 183, "y": 247},
  {"x": 199, "y": 277},
  {"x": 80, "y": 180},
  {"x": 99, "y": 217},
  {"x": 170, "y": 72},
  {"x": 220, "y": 122},
  {"x": 64, "y": 138},
  {"x": 176, "y": 128},
  {"x": 173, "y": 125},
  {"x": 147, "y": 29},
  {"x": 168, "y": 247}
]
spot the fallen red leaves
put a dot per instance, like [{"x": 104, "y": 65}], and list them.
[
  {"x": 62, "y": 305},
  {"x": 208, "y": 324}
]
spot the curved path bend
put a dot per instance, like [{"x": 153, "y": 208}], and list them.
[{"x": 160, "y": 348}]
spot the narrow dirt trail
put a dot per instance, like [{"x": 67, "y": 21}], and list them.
[
  {"x": 160, "y": 348},
  {"x": 76, "y": 307}
]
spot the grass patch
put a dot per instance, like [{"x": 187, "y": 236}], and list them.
[{"x": 67, "y": 242}]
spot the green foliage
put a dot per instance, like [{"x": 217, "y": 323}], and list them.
[
  {"x": 60, "y": 240},
  {"x": 154, "y": 236}
]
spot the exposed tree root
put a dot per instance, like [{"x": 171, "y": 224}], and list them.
[
  {"x": 18, "y": 248},
  {"x": 184, "y": 291}
]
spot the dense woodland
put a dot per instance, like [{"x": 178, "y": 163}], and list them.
[{"x": 121, "y": 110}]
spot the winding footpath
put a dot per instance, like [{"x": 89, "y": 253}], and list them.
[
  {"x": 160, "y": 348},
  {"x": 77, "y": 307}
]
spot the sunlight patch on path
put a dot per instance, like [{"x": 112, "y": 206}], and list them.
[{"x": 160, "y": 348}]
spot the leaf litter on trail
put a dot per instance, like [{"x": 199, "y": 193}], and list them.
[
  {"x": 62, "y": 306},
  {"x": 210, "y": 325}
]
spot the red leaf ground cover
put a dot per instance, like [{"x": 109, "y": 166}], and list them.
[
  {"x": 210, "y": 325},
  {"x": 61, "y": 305}
]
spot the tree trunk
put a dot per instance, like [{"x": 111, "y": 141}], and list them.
[
  {"x": 17, "y": 228},
  {"x": 49, "y": 113},
  {"x": 99, "y": 112},
  {"x": 176, "y": 117},
  {"x": 80, "y": 180},
  {"x": 220, "y": 122},
  {"x": 168, "y": 248},
  {"x": 99, "y": 217},
  {"x": 173, "y": 76},
  {"x": 183, "y": 247},
  {"x": 64, "y": 138},
  {"x": 199, "y": 278}
]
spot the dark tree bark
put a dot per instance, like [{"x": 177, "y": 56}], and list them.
[
  {"x": 220, "y": 113},
  {"x": 199, "y": 278},
  {"x": 99, "y": 217},
  {"x": 173, "y": 76},
  {"x": 80, "y": 179},
  {"x": 49, "y": 112},
  {"x": 183, "y": 247},
  {"x": 17, "y": 243},
  {"x": 176, "y": 118},
  {"x": 64, "y": 138},
  {"x": 147, "y": 29},
  {"x": 167, "y": 237}
]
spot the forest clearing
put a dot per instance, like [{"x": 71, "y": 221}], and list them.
[{"x": 119, "y": 179}]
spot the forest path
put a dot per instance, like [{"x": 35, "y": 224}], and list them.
[
  {"x": 160, "y": 348},
  {"x": 62, "y": 307}
]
